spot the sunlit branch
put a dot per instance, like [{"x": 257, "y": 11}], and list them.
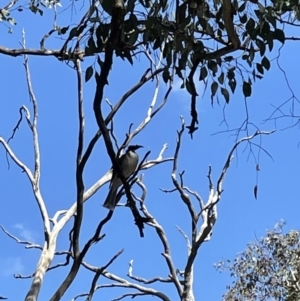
[{"x": 143, "y": 280}]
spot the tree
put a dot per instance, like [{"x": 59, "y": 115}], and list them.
[
  {"x": 173, "y": 41},
  {"x": 268, "y": 269}
]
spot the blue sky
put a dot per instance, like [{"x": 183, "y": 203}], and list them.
[{"x": 240, "y": 216}]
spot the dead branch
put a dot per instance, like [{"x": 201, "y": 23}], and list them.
[
  {"x": 184, "y": 196},
  {"x": 17, "y": 161},
  {"x": 98, "y": 274},
  {"x": 209, "y": 216},
  {"x": 163, "y": 238},
  {"x": 121, "y": 282},
  {"x": 47, "y": 252},
  {"x": 143, "y": 280},
  {"x": 22, "y": 109},
  {"x": 132, "y": 295}
]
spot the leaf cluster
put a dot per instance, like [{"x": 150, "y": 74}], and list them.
[{"x": 268, "y": 269}]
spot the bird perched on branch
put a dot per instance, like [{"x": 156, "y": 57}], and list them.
[{"x": 128, "y": 163}]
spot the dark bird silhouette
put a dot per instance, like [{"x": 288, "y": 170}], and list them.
[{"x": 128, "y": 164}]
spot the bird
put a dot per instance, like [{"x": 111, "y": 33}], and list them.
[{"x": 128, "y": 163}]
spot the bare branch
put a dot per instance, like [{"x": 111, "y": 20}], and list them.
[
  {"x": 132, "y": 295},
  {"x": 196, "y": 195},
  {"x": 17, "y": 161},
  {"x": 23, "y": 108},
  {"x": 158, "y": 160},
  {"x": 14, "y": 237},
  {"x": 188, "y": 243},
  {"x": 143, "y": 280},
  {"x": 209, "y": 215},
  {"x": 230, "y": 156},
  {"x": 184, "y": 196},
  {"x": 34, "y": 122},
  {"x": 163, "y": 238},
  {"x": 79, "y": 167},
  {"x": 47, "y": 253},
  {"x": 57, "y": 215},
  {"x": 121, "y": 282},
  {"x": 98, "y": 274},
  {"x": 46, "y": 36}
]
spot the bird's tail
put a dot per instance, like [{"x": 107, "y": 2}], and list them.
[{"x": 110, "y": 202}]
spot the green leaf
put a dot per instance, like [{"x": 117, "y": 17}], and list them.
[
  {"x": 298, "y": 14},
  {"x": 232, "y": 84},
  {"x": 271, "y": 19},
  {"x": 133, "y": 37},
  {"x": 279, "y": 35},
  {"x": 166, "y": 75},
  {"x": 203, "y": 23},
  {"x": 251, "y": 54},
  {"x": 107, "y": 6},
  {"x": 157, "y": 43},
  {"x": 253, "y": 74},
  {"x": 5, "y": 12},
  {"x": 250, "y": 25},
  {"x": 130, "y": 5},
  {"x": 262, "y": 47},
  {"x": 270, "y": 42},
  {"x": 73, "y": 33},
  {"x": 255, "y": 191},
  {"x": 261, "y": 8},
  {"x": 182, "y": 60},
  {"x": 212, "y": 65},
  {"x": 228, "y": 58},
  {"x": 11, "y": 21},
  {"x": 214, "y": 87},
  {"x": 221, "y": 78},
  {"x": 89, "y": 73},
  {"x": 266, "y": 63},
  {"x": 165, "y": 5},
  {"x": 92, "y": 45},
  {"x": 178, "y": 72},
  {"x": 203, "y": 73},
  {"x": 100, "y": 63},
  {"x": 185, "y": 22},
  {"x": 94, "y": 20},
  {"x": 225, "y": 93},
  {"x": 166, "y": 50},
  {"x": 63, "y": 30},
  {"x": 243, "y": 18},
  {"x": 230, "y": 73},
  {"x": 259, "y": 68},
  {"x": 242, "y": 7},
  {"x": 128, "y": 56},
  {"x": 188, "y": 87},
  {"x": 209, "y": 29},
  {"x": 265, "y": 30},
  {"x": 247, "y": 89}
]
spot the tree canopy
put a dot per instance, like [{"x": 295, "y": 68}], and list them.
[
  {"x": 223, "y": 44},
  {"x": 268, "y": 269}
]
